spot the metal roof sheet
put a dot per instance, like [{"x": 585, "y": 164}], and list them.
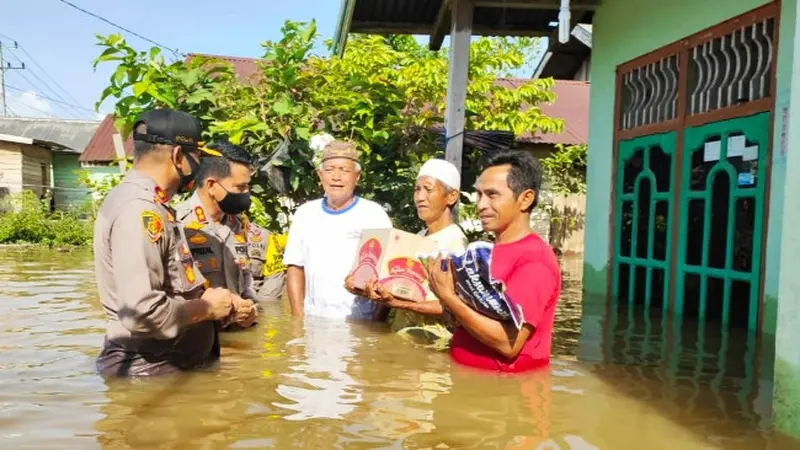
[{"x": 69, "y": 134}]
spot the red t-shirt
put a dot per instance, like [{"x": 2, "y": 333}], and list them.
[{"x": 532, "y": 277}]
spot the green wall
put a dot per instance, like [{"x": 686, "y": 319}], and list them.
[
  {"x": 624, "y": 30},
  {"x": 67, "y": 190}
]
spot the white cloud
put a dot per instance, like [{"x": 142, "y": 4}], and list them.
[{"x": 28, "y": 104}]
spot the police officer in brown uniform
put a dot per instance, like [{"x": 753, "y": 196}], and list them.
[
  {"x": 160, "y": 319},
  {"x": 257, "y": 252},
  {"x": 211, "y": 218}
]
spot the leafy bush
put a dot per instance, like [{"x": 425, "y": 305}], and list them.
[
  {"x": 387, "y": 94},
  {"x": 26, "y": 220}
]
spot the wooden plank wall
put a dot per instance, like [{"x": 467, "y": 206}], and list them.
[
  {"x": 34, "y": 159},
  {"x": 10, "y": 168}
]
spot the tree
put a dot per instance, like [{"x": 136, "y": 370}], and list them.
[{"x": 387, "y": 94}]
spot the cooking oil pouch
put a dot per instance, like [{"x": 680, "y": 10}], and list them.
[{"x": 477, "y": 288}]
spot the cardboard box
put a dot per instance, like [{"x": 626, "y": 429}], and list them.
[{"x": 390, "y": 256}]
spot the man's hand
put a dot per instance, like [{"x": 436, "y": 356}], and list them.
[
  {"x": 220, "y": 302},
  {"x": 245, "y": 312},
  {"x": 441, "y": 282},
  {"x": 349, "y": 285},
  {"x": 377, "y": 292}
]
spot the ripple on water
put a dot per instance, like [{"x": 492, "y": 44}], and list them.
[{"x": 325, "y": 384}]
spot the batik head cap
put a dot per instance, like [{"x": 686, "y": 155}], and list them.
[{"x": 340, "y": 149}]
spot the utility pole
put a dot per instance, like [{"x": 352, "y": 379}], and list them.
[{"x": 3, "y": 67}]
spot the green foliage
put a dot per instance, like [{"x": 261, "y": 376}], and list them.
[
  {"x": 565, "y": 169},
  {"x": 26, "y": 220},
  {"x": 387, "y": 94},
  {"x": 144, "y": 80}
]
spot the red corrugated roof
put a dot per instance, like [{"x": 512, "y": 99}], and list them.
[
  {"x": 571, "y": 105},
  {"x": 100, "y": 148},
  {"x": 244, "y": 68}
]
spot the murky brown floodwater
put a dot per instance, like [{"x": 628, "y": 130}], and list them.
[{"x": 333, "y": 385}]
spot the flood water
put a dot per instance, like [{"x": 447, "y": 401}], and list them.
[{"x": 619, "y": 381}]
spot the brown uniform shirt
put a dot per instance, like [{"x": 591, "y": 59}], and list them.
[
  {"x": 145, "y": 273},
  {"x": 219, "y": 248},
  {"x": 257, "y": 239}
]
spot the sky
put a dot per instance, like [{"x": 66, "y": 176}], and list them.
[{"x": 57, "y": 42}]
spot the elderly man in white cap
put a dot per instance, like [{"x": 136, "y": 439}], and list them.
[{"x": 436, "y": 194}]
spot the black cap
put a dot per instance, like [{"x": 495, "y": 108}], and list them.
[{"x": 168, "y": 127}]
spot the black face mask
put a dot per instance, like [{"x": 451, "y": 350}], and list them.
[
  {"x": 234, "y": 203},
  {"x": 187, "y": 181}
]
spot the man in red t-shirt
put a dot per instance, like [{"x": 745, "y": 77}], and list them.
[{"x": 508, "y": 190}]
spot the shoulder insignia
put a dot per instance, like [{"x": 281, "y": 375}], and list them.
[
  {"x": 152, "y": 224},
  {"x": 185, "y": 250},
  {"x": 161, "y": 196},
  {"x": 189, "y": 270},
  {"x": 197, "y": 239},
  {"x": 194, "y": 225},
  {"x": 200, "y": 214},
  {"x": 240, "y": 238}
]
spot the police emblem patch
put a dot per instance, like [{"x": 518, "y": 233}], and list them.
[{"x": 153, "y": 226}]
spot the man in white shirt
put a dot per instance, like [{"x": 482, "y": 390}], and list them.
[{"x": 324, "y": 237}]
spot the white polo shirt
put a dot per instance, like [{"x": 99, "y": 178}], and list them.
[{"x": 324, "y": 243}]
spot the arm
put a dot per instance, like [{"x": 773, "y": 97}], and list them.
[
  {"x": 140, "y": 274},
  {"x": 531, "y": 285},
  {"x": 502, "y": 338},
  {"x": 248, "y": 292},
  {"x": 293, "y": 259},
  {"x": 296, "y": 287},
  {"x": 375, "y": 291}
]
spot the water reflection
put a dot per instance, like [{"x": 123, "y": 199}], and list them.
[{"x": 620, "y": 380}]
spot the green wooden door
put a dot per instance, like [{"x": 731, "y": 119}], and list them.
[
  {"x": 721, "y": 210},
  {"x": 643, "y": 218}
]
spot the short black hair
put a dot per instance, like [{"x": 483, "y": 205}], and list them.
[
  {"x": 525, "y": 172},
  {"x": 220, "y": 166}
]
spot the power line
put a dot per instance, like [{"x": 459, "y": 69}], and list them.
[
  {"x": 34, "y": 86},
  {"x": 43, "y": 83},
  {"x": 122, "y": 28},
  {"x": 72, "y": 104},
  {"x": 36, "y": 63},
  {"x": 3, "y": 68},
  {"x": 49, "y": 99}
]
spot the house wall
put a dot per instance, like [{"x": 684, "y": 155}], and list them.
[
  {"x": 10, "y": 168},
  {"x": 624, "y": 30},
  {"x": 67, "y": 190},
  {"x": 584, "y": 72},
  {"x": 36, "y": 169},
  {"x": 563, "y": 223}
]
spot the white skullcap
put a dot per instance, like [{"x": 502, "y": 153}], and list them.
[{"x": 443, "y": 171}]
